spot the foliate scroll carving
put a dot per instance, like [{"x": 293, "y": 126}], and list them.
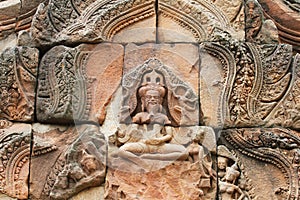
[
  {"x": 279, "y": 148},
  {"x": 14, "y": 159},
  {"x": 73, "y": 82},
  {"x": 287, "y": 114},
  {"x": 18, "y": 73},
  {"x": 63, "y": 86},
  {"x": 179, "y": 103},
  {"x": 86, "y": 21},
  {"x": 257, "y": 81},
  {"x": 83, "y": 165}
]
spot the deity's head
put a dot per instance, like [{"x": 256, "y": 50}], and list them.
[
  {"x": 152, "y": 96},
  {"x": 222, "y": 163},
  {"x": 152, "y": 91}
]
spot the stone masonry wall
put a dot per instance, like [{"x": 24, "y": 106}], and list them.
[{"x": 150, "y": 99}]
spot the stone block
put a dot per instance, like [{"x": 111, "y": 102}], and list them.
[
  {"x": 244, "y": 84},
  {"x": 94, "y": 21},
  {"x": 15, "y": 142},
  {"x": 76, "y": 84},
  {"x": 285, "y": 15},
  {"x": 250, "y": 159},
  {"x": 175, "y": 68},
  {"x": 18, "y": 71},
  {"x": 138, "y": 168},
  {"x": 66, "y": 160},
  {"x": 199, "y": 21}
]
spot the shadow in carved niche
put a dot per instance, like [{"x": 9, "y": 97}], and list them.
[
  {"x": 179, "y": 102},
  {"x": 157, "y": 78}
]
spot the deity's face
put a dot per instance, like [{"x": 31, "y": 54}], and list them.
[
  {"x": 222, "y": 163},
  {"x": 152, "y": 98}
]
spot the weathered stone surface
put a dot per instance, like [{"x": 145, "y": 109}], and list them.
[
  {"x": 258, "y": 29},
  {"x": 91, "y": 21},
  {"x": 249, "y": 85},
  {"x": 286, "y": 16},
  {"x": 91, "y": 193},
  {"x": 179, "y": 68},
  {"x": 18, "y": 71},
  {"x": 15, "y": 139},
  {"x": 259, "y": 158},
  {"x": 199, "y": 21},
  {"x": 16, "y": 15},
  {"x": 76, "y": 84},
  {"x": 139, "y": 168},
  {"x": 161, "y": 184},
  {"x": 66, "y": 160},
  {"x": 8, "y": 42}
]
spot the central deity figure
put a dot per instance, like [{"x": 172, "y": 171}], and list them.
[{"x": 148, "y": 137}]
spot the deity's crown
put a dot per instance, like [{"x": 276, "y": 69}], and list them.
[{"x": 152, "y": 81}]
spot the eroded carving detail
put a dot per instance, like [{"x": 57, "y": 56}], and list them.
[
  {"x": 83, "y": 165},
  {"x": 232, "y": 182},
  {"x": 14, "y": 160},
  {"x": 63, "y": 92},
  {"x": 203, "y": 18},
  {"x": 18, "y": 73},
  {"x": 149, "y": 152},
  {"x": 259, "y": 29},
  {"x": 91, "y": 21},
  {"x": 277, "y": 146}
]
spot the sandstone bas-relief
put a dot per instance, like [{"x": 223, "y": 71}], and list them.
[
  {"x": 247, "y": 84},
  {"x": 258, "y": 149},
  {"x": 17, "y": 83},
  {"x": 145, "y": 146},
  {"x": 75, "y": 160},
  {"x": 256, "y": 85},
  {"x": 73, "y": 82}
]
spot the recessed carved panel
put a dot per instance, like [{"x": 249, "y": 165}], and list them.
[
  {"x": 18, "y": 71},
  {"x": 73, "y": 82},
  {"x": 267, "y": 158},
  {"x": 72, "y": 159},
  {"x": 176, "y": 101}
]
